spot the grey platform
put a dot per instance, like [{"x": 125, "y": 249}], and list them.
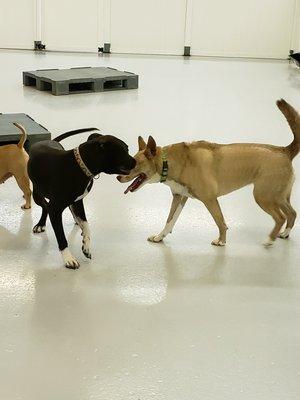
[
  {"x": 11, "y": 134},
  {"x": 80, "y": 80}
]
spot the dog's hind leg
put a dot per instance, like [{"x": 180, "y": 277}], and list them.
[
  {"x": 40, "y": 201},
  {"x": 55, "y": 214},
  {"x": 214, "y": 208},
  {"x": 276, "y": 213},
  {"x": 291, "y": 217},
  {"x": 24, "y": 184},
  {"x": 176, "y": 208},
  {"x": 77, "y": 209}
]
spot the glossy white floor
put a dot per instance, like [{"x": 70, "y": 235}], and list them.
[{"x": 179, "y": 320}]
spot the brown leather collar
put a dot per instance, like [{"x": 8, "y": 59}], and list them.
[{"x": 81, "y": 163}]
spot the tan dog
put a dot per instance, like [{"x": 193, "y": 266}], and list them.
[
  {"x": 205, "y": 171},
  {"x": 13, "y": 162}
]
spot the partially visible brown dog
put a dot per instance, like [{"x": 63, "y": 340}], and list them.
[
  {"x": 205, "y": 171},
  {"x": 13, "y": 162}
]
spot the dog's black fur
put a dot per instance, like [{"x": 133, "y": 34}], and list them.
[{"x": 57, "y": 177}]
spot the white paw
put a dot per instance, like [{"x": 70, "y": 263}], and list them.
[
  {"x": 218, "y": 242},
  {"x": 285, "y": 234},
  {"x": 269, "y": 242},
  {"x": 69, "y": 260},
  {"x": 86, "y": 247},
  {"x": 155, "y": 238},
  {"x": 38, "y": 229}
]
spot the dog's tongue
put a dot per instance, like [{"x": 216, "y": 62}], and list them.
[
  {"x": 129, "y": 189},
  {"x": 135, "y": 184}
]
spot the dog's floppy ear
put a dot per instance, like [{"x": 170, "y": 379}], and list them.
[
  {"x": 142, "y": 143},
  {"x": 94, "y": 136},
  {"x": 150, "y": 148}
]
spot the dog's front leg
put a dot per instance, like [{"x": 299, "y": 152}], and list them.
[
  {"x": 214, "y": 208},
  {"x": 55, "y": 214},
  {"x": 176, "y": 208},
  {"x": 77, "y": 209}
]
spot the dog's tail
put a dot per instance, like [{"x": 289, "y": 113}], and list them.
[
  {"x": 293, "y": 119},
  {"x": 72, "y": 133},
  {"x": 23, "y": 137}
]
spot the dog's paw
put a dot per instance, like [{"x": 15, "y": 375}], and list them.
[
  {"x": 25, "y": 207},
  {"x": 285, "y": 234},
  {"x": 69, "y": 261},
  {"x": 72, "y": 264},
  {"x": 86, "y": 252},
  {"x": 38, "y": 229},
  {"x": 218, "y": 242},
  {"x": 269, "y": 242},
  {"x": 155, "y": 238},
  {"x": 86, "y": 247}
]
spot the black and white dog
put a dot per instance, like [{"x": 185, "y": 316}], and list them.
[{"x": 63, "y": 178}]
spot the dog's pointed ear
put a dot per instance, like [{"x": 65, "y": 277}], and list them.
[
  {"x": 142, "y": 143},
  {"x": 151, "y": 148}
]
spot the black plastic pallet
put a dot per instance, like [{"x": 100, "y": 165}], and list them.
[
  {"x": 9, "y": 133},
  {"x": 80, "y": 80}
]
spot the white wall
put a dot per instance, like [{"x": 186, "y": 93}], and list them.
[
  {"x": 70, "y": 25},
  {"x": 295, "y": 45},
  {"x": 17, "y": 24},
  {"x": 254, "y": 28},
  {"x": 143, "y": 26}
]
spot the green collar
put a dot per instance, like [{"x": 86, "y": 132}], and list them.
[{"x": 165, "y": 166}]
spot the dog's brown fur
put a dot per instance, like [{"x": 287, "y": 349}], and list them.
[
  {"x": 13, "y": 162},
  {"x": 205, "y": 171}
]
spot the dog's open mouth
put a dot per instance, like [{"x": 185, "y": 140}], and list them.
[{"x": 136, "y": 183}]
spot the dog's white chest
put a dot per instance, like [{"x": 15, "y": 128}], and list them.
[
  {"x": 177, "y": 188},
  {"x": 87, "y": 189}
]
